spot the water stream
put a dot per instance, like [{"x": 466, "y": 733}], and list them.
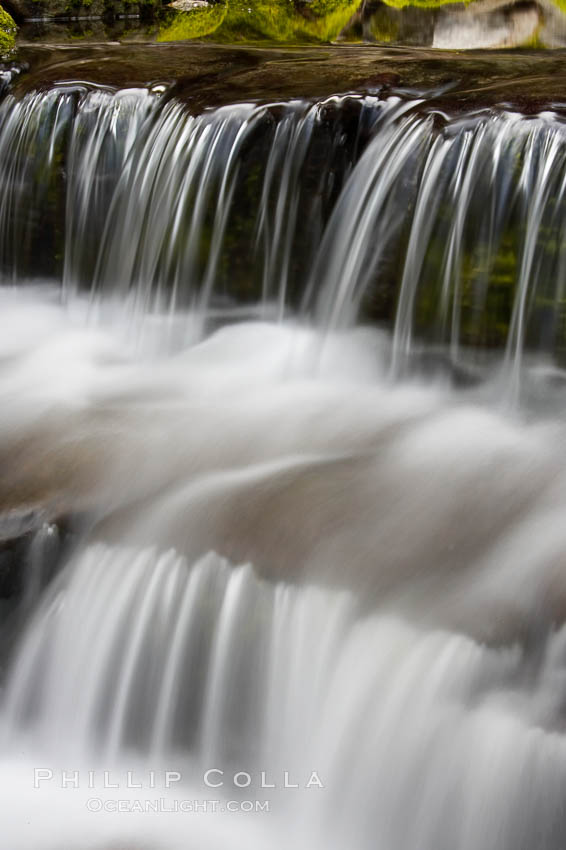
[{"x": 300, "y": 367}]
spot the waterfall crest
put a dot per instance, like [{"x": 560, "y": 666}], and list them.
[{"x": 449, "y": 230}]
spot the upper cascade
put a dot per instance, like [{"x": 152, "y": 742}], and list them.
[{"x": 355, "y": 208}]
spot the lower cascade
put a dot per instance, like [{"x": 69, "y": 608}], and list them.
[{"x": 281, "y": 390}]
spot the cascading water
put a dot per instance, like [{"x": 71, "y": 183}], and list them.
[
  {"x": 451, "y": 230},
  {"x": 300, "y": 565}
]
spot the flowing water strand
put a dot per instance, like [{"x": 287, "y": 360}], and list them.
[
  {"x": 351, "y": 248},
  {"x": 102, "y": 134},
  {"x": 544, "y": 166},
  {"x": 187, "y": 165},
  {"x": 466, "y": 181},
  {"x": 426, "y": 207},
  {"x": 33, "y": 141},
  {"x": 284, "y": 199},
  {"x": 287, "y": 156}
]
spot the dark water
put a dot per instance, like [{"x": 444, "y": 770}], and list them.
[{"x": 482, "y": 24}]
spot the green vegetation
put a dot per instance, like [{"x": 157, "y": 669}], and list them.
[
  {"x": 8, "y": 31},
  {"x": 194, "y": 24},
  {"x": 329, "y": 25},
  {"x": 385, "y": 26},
  {"x": 425, "y": 4},
  {"x": 261, "y": 21},
  {"x": 325, "y": 7}
]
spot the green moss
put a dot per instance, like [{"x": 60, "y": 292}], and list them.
[
  {"x": 261, "y": 21},
  {"x": 8, "y": 31},
  {"x": 322, "y": 8},
  {"x": 257, "y": 21},
  {"x": 329, "y": 25},
  {"x": 384, "y": 26},
  {"x": 194, "y": 24}
]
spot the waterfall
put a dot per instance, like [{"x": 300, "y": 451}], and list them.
[
  {"x": 207, "y": 188},
  {"x": 210, "y": 665},
  {"x": 449, "y": 230},
  {"x": 273, "y": 521}
]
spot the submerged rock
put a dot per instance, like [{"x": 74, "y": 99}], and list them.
[{"x": 32, "y": 545}]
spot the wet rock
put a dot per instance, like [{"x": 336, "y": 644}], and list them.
[
  {"x": 32, "y": 546},
  {"x": 468, "y": 29},
  {"x": 449, "y": 25},
  {"x": 8, "y": 73},
  {"x": 209, "y": 76}
]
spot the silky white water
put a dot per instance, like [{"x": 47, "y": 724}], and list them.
[
  {"x": 295, "y": 373},
  {"x": 447, "y": 228},
  {"x": 294, "y": 567}
]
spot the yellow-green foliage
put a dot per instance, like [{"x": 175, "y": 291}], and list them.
[
  {"x": 262, "y": 20},
  {"x": 329, "y": 25},
  {"x": 385, "y": 26},
  {"x": 326, "y": 7},
  {"x": 194, "y": 24},
  {"x": 8, "y": 31}
]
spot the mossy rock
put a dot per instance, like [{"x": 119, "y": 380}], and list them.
[
  {"x": 275, "y": 21},
  {"x": 8, "y": 31},
  {"x": 195, "y": 23},
  {"x": 325, "y": 7}
]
